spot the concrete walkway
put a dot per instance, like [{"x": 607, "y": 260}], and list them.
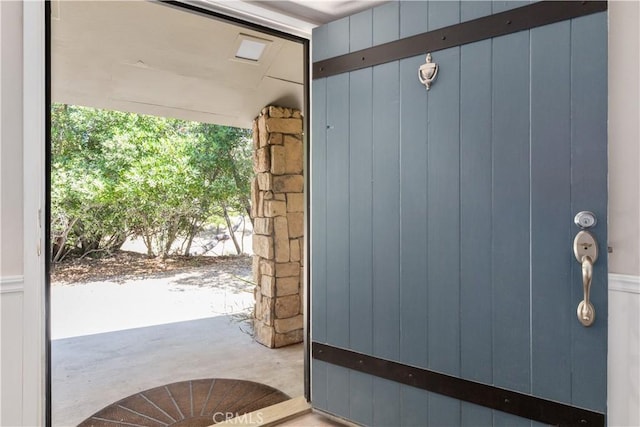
[
  {"x": 109, "y": 305},
  {"x": 111, "y": 340}
]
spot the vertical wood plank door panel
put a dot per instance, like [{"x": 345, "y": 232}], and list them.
[
  {"x": 550, "y": 204},
  {"x": 442, "y": 220},
  {"x": 510, "y": 208},
  {"x": 476, "y": 332},
  {"x": 318, "y": 219},
  {"x": 337, "y": 209},
  {"x": 588, "y": 177}
]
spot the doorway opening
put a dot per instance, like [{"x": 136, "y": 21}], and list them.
[{"x": 179, "y": 71}]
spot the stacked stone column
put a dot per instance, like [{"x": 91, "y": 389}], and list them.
[{"x": 278, "y": 231}]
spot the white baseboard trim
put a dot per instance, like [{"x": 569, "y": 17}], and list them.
[
  {"x": 624, "y": 283},
  {"x": 10, "y": 284}
]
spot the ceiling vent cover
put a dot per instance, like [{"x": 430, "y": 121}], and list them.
[{"x": 250, "y": 49}]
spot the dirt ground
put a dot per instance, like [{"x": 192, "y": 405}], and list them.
[{"x": 126, "y": 265}]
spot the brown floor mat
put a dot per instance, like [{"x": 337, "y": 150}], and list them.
[{"x": 195, "y": 403}]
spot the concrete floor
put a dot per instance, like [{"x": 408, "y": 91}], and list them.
[{"x": 89, "y": 372}]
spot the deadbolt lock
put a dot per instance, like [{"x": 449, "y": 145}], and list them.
[{"x": 585, "y": 219}]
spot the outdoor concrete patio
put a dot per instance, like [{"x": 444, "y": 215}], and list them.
[{"x": 90, "y": 372}]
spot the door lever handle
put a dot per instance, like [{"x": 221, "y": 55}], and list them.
[
  {"x": 585, "y": 249},
  {"x": 586, "y": 311}
]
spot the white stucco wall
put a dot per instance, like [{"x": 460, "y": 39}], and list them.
[
  {"x": 11, "y": 135},
  {"x": 624, "y": 213},
  {"x": 11, "y": 196},
  {"x": 624, "y": 137},
  {"x": 20, "y": 351}
]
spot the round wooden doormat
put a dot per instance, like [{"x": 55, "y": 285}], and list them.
[{"x": 195, "y": 403}]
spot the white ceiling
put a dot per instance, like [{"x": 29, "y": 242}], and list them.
[
  {"x": 305, "y": 14},
  {"x": 145, "y": 57}
]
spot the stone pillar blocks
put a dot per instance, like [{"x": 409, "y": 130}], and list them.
[{"x": 277, "y": 208}]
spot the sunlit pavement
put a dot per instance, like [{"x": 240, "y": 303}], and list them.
[{"x": 97, "y": 307}]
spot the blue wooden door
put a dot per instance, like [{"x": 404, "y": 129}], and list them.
[{"x": 442, "y": 221}]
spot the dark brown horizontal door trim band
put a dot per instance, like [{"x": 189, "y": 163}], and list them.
[
  {"x": 499, "y": 24},
  {"x": 520, "y": 404}
]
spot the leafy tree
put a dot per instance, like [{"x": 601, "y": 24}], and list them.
[
  {"x": 118, "y": 174},
  {"x": 84, "y": 219},
  {"x": 222, "y": 155}
]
